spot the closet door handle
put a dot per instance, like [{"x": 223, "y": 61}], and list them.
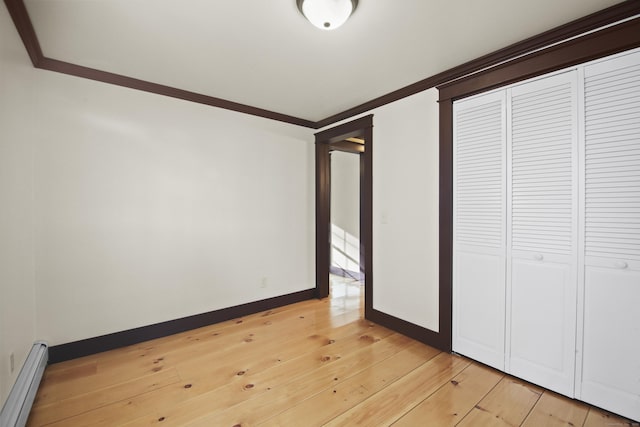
[
  {"x": 538, "y": 257},
  {"x": 620, "y": 264}
]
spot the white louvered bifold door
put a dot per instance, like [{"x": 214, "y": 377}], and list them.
[
  {"x": 611, "y": 331},
  {"x": 479, "y": 228},
  {"x": 542, "y": 255}
]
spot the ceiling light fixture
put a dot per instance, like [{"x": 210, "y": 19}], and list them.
[{"x": 327, "y": 14}]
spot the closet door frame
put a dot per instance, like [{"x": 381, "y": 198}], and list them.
[
  {"x": 598, "y": 44},
  {"x": 620, "y": 38}
]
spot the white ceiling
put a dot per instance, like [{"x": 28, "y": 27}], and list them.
[{"x": 263, "y": 53}]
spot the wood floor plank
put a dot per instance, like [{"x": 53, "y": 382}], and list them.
[
  {"x": 507, "y": 404},
  {"x": 184, "y": 338},
  {"x": 600, "y": 418},
  {"x": 285, "y": 347},
  {"x": 343, "y": 395},
  {"x": 183, "y": 341},
  {"x": 553, "y": 410},
  {"x": 207, "y": 344},
  {"x": 63, "y": 409},
  {"x": 115, "y": 414},
  {"x": 328, "y": 376},
  {"x": 268, "y": 322},
  {"x": 454, "y": 400},
  {"x": 71, "y": 373},
  {"x": 275, "y": 390},
  {"x": 82, "y": 384},
  {"x": 384, "y": 407},
  {"x": 287, "y": 362},
  {"x": 230, "y": 379},
  {"x": 225, "y": 372},
  {"x": 306, "y": 364}
]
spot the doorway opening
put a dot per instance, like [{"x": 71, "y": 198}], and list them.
[
  {"x": 355, "y": 137},
  {"x": 345, "y": 214}
]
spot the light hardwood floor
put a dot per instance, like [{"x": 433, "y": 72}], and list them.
[{"x": 308, "y": 364}]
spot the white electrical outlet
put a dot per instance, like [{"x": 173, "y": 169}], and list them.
[
  {"x": 11, "y": 363},
  {"x": 264, "y": 282}
]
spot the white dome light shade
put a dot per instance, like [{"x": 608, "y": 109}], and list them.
[{"x": 327, "y": 14}]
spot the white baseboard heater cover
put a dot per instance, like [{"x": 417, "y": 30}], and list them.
[{"x": 15, "y": 411}]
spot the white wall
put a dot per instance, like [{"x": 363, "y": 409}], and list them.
[
  {"x": 405, "y": 209},
  {"x": 345, "y": 191},
  {"x": 143, "y": 208},
  {"x": 148, "y": 208},
  {"x": 17, "y": 122},
  {"x": 345, "y": 211}
]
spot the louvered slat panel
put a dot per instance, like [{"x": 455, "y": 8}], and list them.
[
  {"x": 611, "y": 223},
  {"x": 479, "y": 184},
  {"x": 479, "y": 228},
  {"x": 612, "y": 169},
  {"x": 542, "y": 134}
]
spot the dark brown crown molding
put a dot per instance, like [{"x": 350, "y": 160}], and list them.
[
  {"x": 146, "y": 86},
  {"x": 23, "y": 24},
  {"x": 575, "y": 28},
  {"x": 21, "y": 20},
  {"x": 598, "y": 44},
  {"x": 608, "y": 16}
]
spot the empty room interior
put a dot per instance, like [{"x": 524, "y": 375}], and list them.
[{"x": 320, "y": 212}]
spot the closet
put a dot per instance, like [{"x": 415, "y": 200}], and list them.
[{"x": 546, "y": 256}]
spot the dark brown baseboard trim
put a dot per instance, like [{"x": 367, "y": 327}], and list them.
[
  {"x": 411, "y": 330},
  {"x": 86, "y": 347}
]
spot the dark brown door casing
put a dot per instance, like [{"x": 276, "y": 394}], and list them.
[{"x": 327, "y": 141}]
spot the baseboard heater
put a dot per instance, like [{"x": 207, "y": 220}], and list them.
[{"x": 15, "y": 411}]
